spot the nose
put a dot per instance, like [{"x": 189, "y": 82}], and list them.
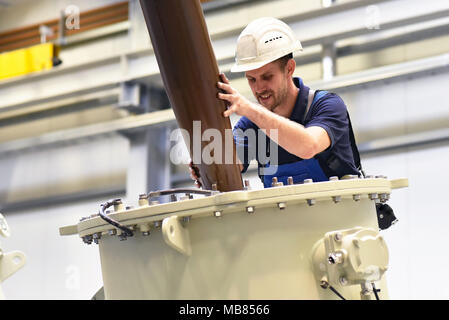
[{"x": 259, "y": 87}]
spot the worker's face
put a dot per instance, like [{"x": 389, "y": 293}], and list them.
[{"x": 269, "y": 84}]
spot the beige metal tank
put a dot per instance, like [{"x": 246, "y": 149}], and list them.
[
  {"x": 307, "y": 241},
  {"x": 10, "y": 262}
]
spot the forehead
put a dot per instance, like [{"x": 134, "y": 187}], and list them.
[{"x": 272, "y": 67}]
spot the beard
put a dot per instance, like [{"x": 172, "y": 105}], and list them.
[{"x": 277, "y": 98}]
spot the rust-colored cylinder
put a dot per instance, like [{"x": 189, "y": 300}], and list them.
[{"x": 190, "y": 74}]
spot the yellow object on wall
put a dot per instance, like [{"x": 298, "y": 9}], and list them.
[{"x": 24, "y": 61}]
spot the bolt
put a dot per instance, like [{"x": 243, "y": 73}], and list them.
[
  {"x": 217, "y": 214},
  {"x": 214, "y": 187},
  {"x": 336, "y": 199},
  {"x": 311, "y": 202},
  {"x": 250, "y": 209},
  {"x": 335, "y": 258},
  {"x": 88, "y": 239},
  {"x": 383, "y": 197},
  {"x": 369, "y": 177},
  {"x": 145, "y": 229},
  {"x": 343, "y": 281},
  {"x": 122, "y": 237},
  {"x": 290, "y": 181},
  {"x": 324, "y": 284},
  {"x": 282, "y": 205},
  {"x": 338, "y": 236},
  {"x": 333, "y": 178},
  {"x": 308, "y": 181},
  {"x": 96, "y": 235},
  {"x": 275, "y": 183},
  {"x": 186, "y": 219},
  {"x": 366, "y": 292},
  {"x": 118, "y": 205},
  {"x": 356, "y": 197},
  {"x": 112, "y": 232},
  {"x": 143, "y": 199},
  {"x": 373, "y": 196}
]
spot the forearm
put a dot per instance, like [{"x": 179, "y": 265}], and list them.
[{"x": 291, "y": 135}]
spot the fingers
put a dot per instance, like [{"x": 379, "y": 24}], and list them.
[
  {"x": 225, "y": 87},
  {"x": 195, "y": 174},
  {"x": 228, "y": 112},
  {"x": 223, "y": 78},
  {"x": 225, "y": 96}
]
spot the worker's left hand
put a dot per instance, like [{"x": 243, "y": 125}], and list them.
[{"x": 235, "y": 101}]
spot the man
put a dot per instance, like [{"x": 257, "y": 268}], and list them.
[{"x": 312, "y": 130}]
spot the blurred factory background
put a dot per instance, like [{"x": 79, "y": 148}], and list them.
[{"x": 84, "y": 118}]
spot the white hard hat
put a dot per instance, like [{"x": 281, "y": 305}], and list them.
[{"x": 263, "y": 41}]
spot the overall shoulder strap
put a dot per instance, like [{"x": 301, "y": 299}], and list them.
[
  {"x": 355, "y": 150},
  {"x": 309, "y": 103}
]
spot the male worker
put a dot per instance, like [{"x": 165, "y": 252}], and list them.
[{"x": 314, "y": 136}]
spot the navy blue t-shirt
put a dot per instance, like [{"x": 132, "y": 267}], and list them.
[{"x": 328, "y": 112}]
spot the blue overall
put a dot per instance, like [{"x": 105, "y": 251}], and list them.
[{"x": 299, "y": 170}]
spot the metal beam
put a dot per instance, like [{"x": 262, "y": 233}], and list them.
[
  {"x": 353, "y": 46},
  {"x": 67, "y": 102},
  {"x": 127, "y": 66},
  {"x": 404, "y": 141},
  {"x": 225, "y": 5},
  {"x": 129, "y": 124},
  {"x": 391, "y": 72}
]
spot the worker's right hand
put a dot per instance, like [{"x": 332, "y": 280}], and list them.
[
  {"x": 235, "y": 102},
  {"x": 195, "y": 174}
]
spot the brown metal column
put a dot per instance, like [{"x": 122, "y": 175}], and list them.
[{"x": 190, "y": 73}]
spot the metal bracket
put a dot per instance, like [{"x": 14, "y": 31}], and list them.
[
  {"x": 11, "y": 262},
  {"x": 132, "y": 97},
  {"x": 176, "y": 236}
]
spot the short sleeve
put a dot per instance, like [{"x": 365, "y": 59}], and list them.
[{"x": 330, "y": 113}]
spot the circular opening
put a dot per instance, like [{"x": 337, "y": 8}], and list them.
[{"x": 17, "y": 259}]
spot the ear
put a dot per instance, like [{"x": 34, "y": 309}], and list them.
[{"x": 291, "y": 67}]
